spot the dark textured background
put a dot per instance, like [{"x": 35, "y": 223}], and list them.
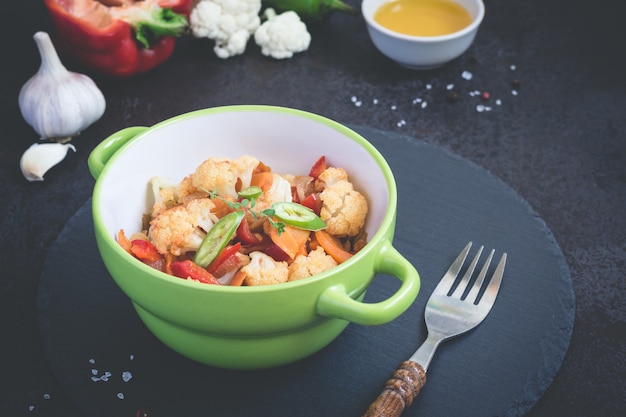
[{"x": 561, "y": 144}]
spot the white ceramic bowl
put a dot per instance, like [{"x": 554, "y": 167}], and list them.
[{"x": 422, "y": 52}]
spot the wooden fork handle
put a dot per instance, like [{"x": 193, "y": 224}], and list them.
[{"x": 400, "y": 390}]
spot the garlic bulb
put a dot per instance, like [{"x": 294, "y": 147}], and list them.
[
  {"x": 58, "y": 103},
  {"x": 39, "y": 158}
]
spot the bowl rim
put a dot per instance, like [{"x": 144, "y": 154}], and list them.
[
  {"x": 103, "y": 237},
  {"x": 372, "y": 23}
]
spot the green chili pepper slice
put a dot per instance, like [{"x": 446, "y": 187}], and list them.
[
  {"x": 250, "y": 192},
  {"x": 217, "y": 238},
  {"x": 297, "y": 215}
]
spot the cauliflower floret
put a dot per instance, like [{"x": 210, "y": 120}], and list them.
[
  {"x": 280, "y": 36},
  {"x": 343, "y": 208},
  {"x": 280, "y": 190},
  {"x": 230, "y": 23},
  {"x": 224, "y": 175},
  {"x": 264, "y": 270},
  {"x": 165, "y": 195},
  {"x": 181, "y": 229},
  {"x": 316, "y": 262}
]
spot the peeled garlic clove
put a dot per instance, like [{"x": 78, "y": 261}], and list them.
[
  {"x": 39, "y": 158},
  {"x": 58, "y": 103}
]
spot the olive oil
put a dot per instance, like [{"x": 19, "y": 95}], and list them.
[{"x": 423, "y": 17}]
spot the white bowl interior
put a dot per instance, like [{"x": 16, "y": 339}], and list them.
[{"x": 286, "y": 140}]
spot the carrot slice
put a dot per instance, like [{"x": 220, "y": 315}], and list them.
[
  {"x": 238, "y": 278},
  {"x": 332, "y": 246},
  {"x": 292, "y": 240},
  {"x": 263, "y": 180},
  {"x": 169, "y": 259},
  {"x": 124, "y": 242}
]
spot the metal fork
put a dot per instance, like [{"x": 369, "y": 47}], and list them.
[{"x": 450, "y": 311}]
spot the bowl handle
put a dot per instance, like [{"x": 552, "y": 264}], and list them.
[
  {"x": 335, "y": 301},
  {"x": 107, "y": 148}
]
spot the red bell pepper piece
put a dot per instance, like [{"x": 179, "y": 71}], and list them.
[
  {"x": 115, "y": 41},
  {"x": 277, "y": 253},
  {"x": 225, "y": 260},
  {"x": 318, "y": 167},
  {"x": 189, "y": 269},
  {"x": 145, "y": 251},
  {"x": 245, "y": 235},
  {"x": 314, "y": 202}
]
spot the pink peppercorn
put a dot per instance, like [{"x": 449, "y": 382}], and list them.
[{"x": 485, "y": 95}]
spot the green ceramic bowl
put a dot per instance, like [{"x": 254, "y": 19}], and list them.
[{"x": 247, "y": 327}]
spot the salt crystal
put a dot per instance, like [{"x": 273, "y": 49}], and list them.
[
  {"x": 126, "y": 376},
  {"x": 417, "y": 100},
  {"x": 450, "y": 86},
  {"x": 375, "y": 101},
  {"x": 132, "y": 357},
  {"x": 424, "y": 104},
  {"x": 514, "y": 92},
  {"x": 498, "y": 102},
  {"x": 95, "y": 379},
  {"x": 353, "y": 99},
  {"x": 31, "y": 407},
  {"x": 429, "y": 86},
  {"x": 467, "y": 75},
  {"x": 393, "y": 107},
  {"x": 94, "y": 372},
  {"x": 92, "y": 361},
  {"x": 480, "y": 108},
  {"x": 120, "y": 395},
  {"x": 46, "y": 396},
  {"x": 358, "y": 103},
  {"x": 513, "y": 67}
]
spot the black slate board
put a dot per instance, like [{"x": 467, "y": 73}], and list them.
[{"x": 501, "y": 368}]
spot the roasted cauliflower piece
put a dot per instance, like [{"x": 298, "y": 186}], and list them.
[
  {"x": 315, "y": 262},
  {"x": 180, "y": 229},
  {"x": 165, "y": 194},
  {"x": 222, "y": 175},
  {"x": 264, "y": 270},
  {"x": 343, "y": 208},
  {"x": 280, "y": 190}
]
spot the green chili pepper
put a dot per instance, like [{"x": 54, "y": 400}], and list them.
[
  {"x": 316, "y": 9},
  {"x": 298, "y": 216},
  {"x": 217, "y": 238},
  {"x": 250, "y": 192}
]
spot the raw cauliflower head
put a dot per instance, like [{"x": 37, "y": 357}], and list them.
[
  {"x": 181, "y": 229},
  {"x": 343, "y": 208},
  {"x": 280, "y": 36},
  {"x": 230, "y": 23},
  {"x": 224, "y": 176}
]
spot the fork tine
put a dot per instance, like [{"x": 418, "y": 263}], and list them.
[
  {"x": 494, "y": 285},
  {"x": 473, "y": 294},
  {"x": 450, "y": 276},
  {"x": 460, "y": 289}
]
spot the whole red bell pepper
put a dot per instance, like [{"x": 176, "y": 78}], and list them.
[{"x": 118, "y": 38}]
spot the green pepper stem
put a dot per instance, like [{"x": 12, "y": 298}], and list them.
[{"x": 152, "y": 23}]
